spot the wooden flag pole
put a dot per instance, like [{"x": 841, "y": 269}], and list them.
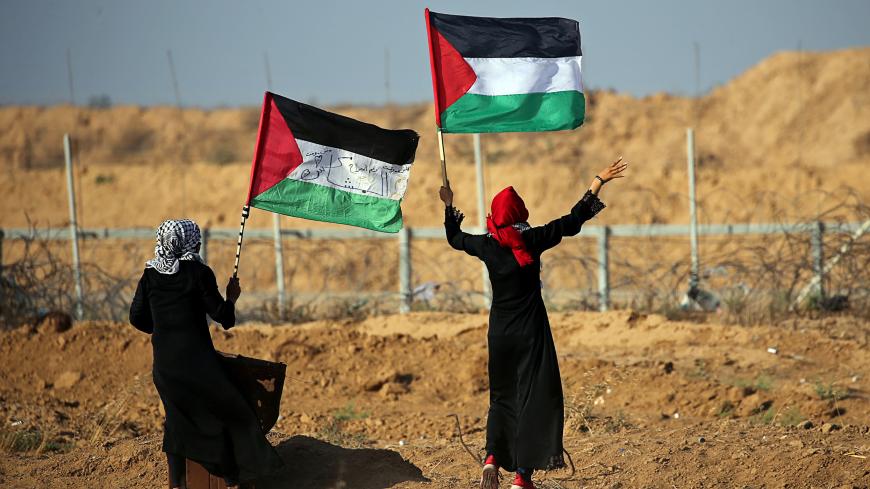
[
  {"x": 246, "y": 211},
  {"x": 444, "y": 180}
]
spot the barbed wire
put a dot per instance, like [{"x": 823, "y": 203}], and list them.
[{"x": 755, "y": 278}]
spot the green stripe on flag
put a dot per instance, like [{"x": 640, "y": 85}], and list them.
[
  {"x": 311, "y": 201},
  {"x": 544, "y": 111}
]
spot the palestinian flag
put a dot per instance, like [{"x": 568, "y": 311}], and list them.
[
  {"x": 505, "y": 75},
  {"x": 318, "y": 165}
]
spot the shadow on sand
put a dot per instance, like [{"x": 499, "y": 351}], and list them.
[{"x": 315, "y": 464}]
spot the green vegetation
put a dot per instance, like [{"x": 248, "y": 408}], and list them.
[
  {"x": 31, "y": 441},
  {"x": 762, "y": 382},
  {"x": 616, "y": 424},
  {"x": 829, "y": 392},
  {"x": 103, "y": 179},
  {"x": 349, "y": 412},
  {"x": 726, "y": 410},
  {"x": 700, "y": 372},
  {"x": 335, "y": 430},
  {"x": 789, "y": 417}
]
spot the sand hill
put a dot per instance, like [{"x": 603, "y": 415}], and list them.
[{"x": 784, "y": 140}]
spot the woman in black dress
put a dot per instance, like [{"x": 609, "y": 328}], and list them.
[
  {"x": 207, "y": 419},
  {"x": 526, "y": 412}
]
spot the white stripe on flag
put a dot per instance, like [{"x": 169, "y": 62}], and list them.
[
  {"x": 513, "y": 76},
  {"x": 350, "y": 172}
]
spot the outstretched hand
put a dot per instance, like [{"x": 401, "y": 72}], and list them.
[
  {"x": 614, "y": 170},
  {"x": 234, "y": 290},
  {"x": 446, "y": 195}
]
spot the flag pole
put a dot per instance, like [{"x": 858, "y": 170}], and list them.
[
  {"x": 432, "y": 49},
  {"x": 246, "y": 211},
  {"x": 444, "y": 180}
]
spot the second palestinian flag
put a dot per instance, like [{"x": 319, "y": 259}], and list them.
[
  {"x": 317, "y": 165},
  {"x": 505, "y": 75}
]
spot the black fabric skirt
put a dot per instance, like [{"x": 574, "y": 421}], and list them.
[
  {"x": 526, "y": 411},
  {"x": 207, "y": 419}
]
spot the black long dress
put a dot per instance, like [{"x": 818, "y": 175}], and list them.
[
  {"x": 526, "y": 410},
  {"x": 207, "y": 419}
]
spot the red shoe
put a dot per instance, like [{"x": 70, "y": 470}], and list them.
[
  {"x": 520, "y": 483},
  {"x": 489, "y": 479}
]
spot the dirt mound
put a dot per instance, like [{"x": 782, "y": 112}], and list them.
[
  {"x": 774, "y": 132},
  {"x": 641, "y": 392},
  {"x": 424, "y": 325}
]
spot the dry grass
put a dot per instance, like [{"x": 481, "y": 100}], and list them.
[
  {"x": 585, "y": 411},
  {"x": 106, "y": 422},
  {"x": 32, "y": 441}
]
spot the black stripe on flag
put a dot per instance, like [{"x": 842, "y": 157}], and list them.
[
  {"x": 490, "y": 37},
  {"x": 337, "y": 131}
]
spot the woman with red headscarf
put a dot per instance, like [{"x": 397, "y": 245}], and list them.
[{"x": 526, "y": 413}]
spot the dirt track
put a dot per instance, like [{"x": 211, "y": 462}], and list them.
[{"x": 641, "y": 393}]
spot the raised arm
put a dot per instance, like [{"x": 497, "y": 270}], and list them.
[
  {"x": 140, "y": 308},
  {"x": 459, "y": 240},
  {"x": 222, "y": 311},
  {"x": 544, "y": 237}
]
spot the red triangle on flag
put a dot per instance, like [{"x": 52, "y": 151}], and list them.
[
  {"x": 276, "y": 153},
  {"x": 452, "y": 76}
]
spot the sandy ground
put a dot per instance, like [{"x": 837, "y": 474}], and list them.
[{"x": 649, "y": 402}]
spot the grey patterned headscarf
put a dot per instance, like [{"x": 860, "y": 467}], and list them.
[
  {"x": 520, "y": 226},
  {"x": 176, "y": 240}
]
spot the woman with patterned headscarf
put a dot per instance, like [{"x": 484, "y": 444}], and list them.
[
  {"x": 526, "y": 414},
  {"x": 207, "y": 419}
]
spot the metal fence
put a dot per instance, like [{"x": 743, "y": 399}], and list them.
[{"x": 813, "y": 232}]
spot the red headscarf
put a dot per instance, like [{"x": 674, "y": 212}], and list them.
[{"x": 508, "y": 209}]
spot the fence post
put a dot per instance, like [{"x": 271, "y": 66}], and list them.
[
  {"x": 818, "y": 257},
  {"x": 693, "y": 215},
  {"x": 73, "y": 227},
  {"x": 603, "y": 269},
  {"x": 279, "y": 266},
  {"x": 481, "y": 214},
  {"x": 203, "y": 249},
  {"x": 405, "y": 270}
]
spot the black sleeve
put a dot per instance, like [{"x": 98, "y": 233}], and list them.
[
  {"x": 544, "y": 237},
  {"x": 140, "y": 309},
  {"x": 222, "y": 311},
  {"x": 459, "y": 240}
]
